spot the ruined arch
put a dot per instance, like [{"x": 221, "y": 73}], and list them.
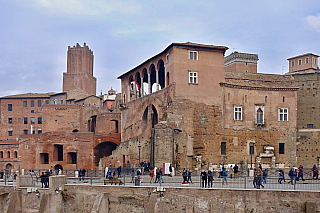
[
  {"x": 103, "y": 149},
  {"x": 75, "y": 130},
  {"x": 57, "y": 167},
  {"x": 8, "y": 167},
  {"x": 154, "y": 116}
]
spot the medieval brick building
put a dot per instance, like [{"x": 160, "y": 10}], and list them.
[
  {"x": 304, "y": 68},
  {"x": 184, "y": 108},
  {"x": 60, "y": 130}
]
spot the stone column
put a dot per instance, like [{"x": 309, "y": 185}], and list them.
[
  {"x": 149, "y": 84},
  {"x": 141, "y": 87},
  {"x": 157, "y": 80}
]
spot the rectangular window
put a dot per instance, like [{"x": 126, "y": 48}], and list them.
[
  {"x": 9, "y": 120},
  {"x": 300, "y": 62},
  {"x": 223, "y": 148},
  {"x": 9, "y": 107},
  {"x": 25, "y": 120},
  {"x": 193, "y": 55},
  {"x": 39, "y": 120},
  {"x": 25, "y": 103},
  {"x": 72, "y": 158},
  {"x": 39, "y": 131},
  {"x": 309, "y": 125},
  {"x": 33, "y": 120},
  {"x": 58, "y": 152},
  {"x": 307, "y": 60},
  {"x": 32, "y": 103},
  {"x": 32, "y": 111},
  {"x": 61, "y": 102},
  {"x": 47, "y": 101},
  {"x": 237, "y": 113},
  {"x": 10, "y": 132},
  {"x": 283, "y": 114},
  {"x": 25, "y": 132},
  {"x": 44, "y": 158},
  {"x": 55, "y": 101},
  {"x": 193, "y": 77},
  {"x": 167, "y": 58},
  {"x": 39, "y": 103},
  {"x": 292, "y": 63},
  {"x": 281, "y": 148}
]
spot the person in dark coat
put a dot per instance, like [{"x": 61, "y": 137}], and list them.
[
  {"x": 42, "y": 179},
  {"x": 235, "y": 171},
  {"x": 119, "y": 171},
  {"x": 80, "y": 174},
  {"x": 83, "y": 173},
  {"x": 204, "y": 179}
]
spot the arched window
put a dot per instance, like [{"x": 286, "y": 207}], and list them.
[
  {"x": 1, "y": 154},
  {"x": 15, "y": 154},
  {"x": 259, "y": 116},
  {"x": 8, "y": 154}
]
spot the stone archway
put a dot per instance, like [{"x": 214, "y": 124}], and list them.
[
  {"x": 57, "y": 167},
  {"x": 103, "y": 149},
  {"x": 8, "y": 167}
]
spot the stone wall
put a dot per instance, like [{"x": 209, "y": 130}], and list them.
[{"x": 85, "y": 198}]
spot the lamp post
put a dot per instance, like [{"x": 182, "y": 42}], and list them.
[
  {"x": 139, "y": 147},
  {"x": 251, "y": 151},
  {"x": 76, "y": 158}
]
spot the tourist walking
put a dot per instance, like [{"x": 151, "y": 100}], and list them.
[
  {"x": 119, "y": 171},
  {"x": 259, "y": 175},
  {"x": 280, "y": 176},
  {"x": 161, "y": 174},
  {"x": 291, "y": 176},
  {"x": 235, "y": 171},
  {"x": 157, "y": 176},
  {"x": 43, "y": 179},
  {"x": 224, "y": 175},
  {"x": 210, "y": 179},
  {"x": 255, "y": 178},
  {"x": 80, "y": 174},
  {"x": 265, "y": 175},
  {"x": 83, "y": 173},
  {"x": 300, "y": 173},
  {"x": 189, "y": 176},
  {"x": 314, "y": 173},
  {"x": 184, "y": 175},
  {"x": 204, "y": 178},
  {"x": 152, "y": 176}
]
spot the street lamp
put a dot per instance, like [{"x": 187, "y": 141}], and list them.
[
  {"x": 76, "y": 159},
  {"x": 251, "y": 151},
  {"x": 139, "y": 147}
]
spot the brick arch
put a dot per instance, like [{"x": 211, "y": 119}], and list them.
[
  {"x": 102, "y": 150},
  {"x": 107, "y": 139}
]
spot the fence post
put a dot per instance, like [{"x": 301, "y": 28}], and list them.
[
  {"x": 91, "y": 179},
  {"x": 5, "y": 178},
  {"x": 124, "y": 180}
]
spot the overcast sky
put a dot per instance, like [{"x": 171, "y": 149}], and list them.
[{"x": 35, "y": 34}]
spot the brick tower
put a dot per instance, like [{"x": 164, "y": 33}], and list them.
[
  {"x": 79, "y": 70},
  {"x": 241, "y": 62}
]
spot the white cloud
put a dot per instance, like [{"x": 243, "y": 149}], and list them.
[
  {"x": 314, "y": 21},
  {"x": 86, "y": 7}
]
